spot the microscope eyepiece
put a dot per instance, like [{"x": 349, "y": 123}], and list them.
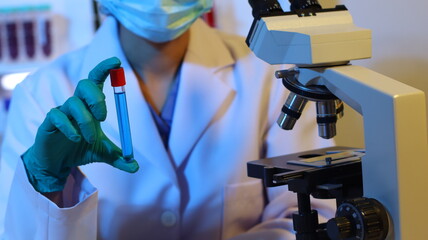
[
  {"x": 304, "y": 4},
  {"x": 264, "y": 7}
]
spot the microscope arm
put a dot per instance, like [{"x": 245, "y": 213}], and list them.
[
  {"x": 395, "y": 133},
  {"x": 395, "y": 121}
]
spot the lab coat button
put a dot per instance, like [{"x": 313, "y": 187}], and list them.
[{"x": 168, "y": 219}]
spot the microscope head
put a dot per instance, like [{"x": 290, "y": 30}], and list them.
[{"x": 307, "y": 35}]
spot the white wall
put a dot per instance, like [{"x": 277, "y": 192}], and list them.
[
  {"x": 400, "y": 39},
  {"x": 400, "y": 44}
]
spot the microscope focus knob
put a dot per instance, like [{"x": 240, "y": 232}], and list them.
[
  {"x": 360, "y": 218},
  {"x": 340, "y": 228}
]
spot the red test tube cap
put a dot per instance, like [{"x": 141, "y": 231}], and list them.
[{"x": 117, "y": 77}]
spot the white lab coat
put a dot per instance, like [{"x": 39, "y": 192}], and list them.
[{"x": 198, "y": 189}]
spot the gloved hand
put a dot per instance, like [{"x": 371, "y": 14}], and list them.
[{"x": 59, "y": 145}]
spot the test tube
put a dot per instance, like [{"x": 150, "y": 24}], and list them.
[
  {"x": 1, "y": 38},
  {"x": 12, "y": 39},
  {"x": 46, "y": 37},
  {"x": 29, "y": 38},
  {"x": 118, "y": 82}
]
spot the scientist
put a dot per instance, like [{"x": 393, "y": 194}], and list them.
[{"x": 200, "y": 105}]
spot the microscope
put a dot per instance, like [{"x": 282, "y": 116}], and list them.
[{"x": 380, "y": 190}]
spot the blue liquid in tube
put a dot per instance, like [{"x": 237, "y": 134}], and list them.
[{"x": 124, "y": 129}]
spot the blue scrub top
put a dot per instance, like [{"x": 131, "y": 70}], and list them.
[{"x": 164, "y": 119}]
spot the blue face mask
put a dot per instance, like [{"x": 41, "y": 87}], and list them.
[{"x": 156, "y": 20}]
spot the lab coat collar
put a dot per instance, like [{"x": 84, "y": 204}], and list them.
[
  {"x": 207, "y": 49},
  {"x": 203, "y": 89}
]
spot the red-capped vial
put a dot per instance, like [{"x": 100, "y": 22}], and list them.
[{"x": 117, "y": 77}]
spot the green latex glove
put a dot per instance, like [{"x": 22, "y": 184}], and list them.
[{"x": 59, "y": 145}]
